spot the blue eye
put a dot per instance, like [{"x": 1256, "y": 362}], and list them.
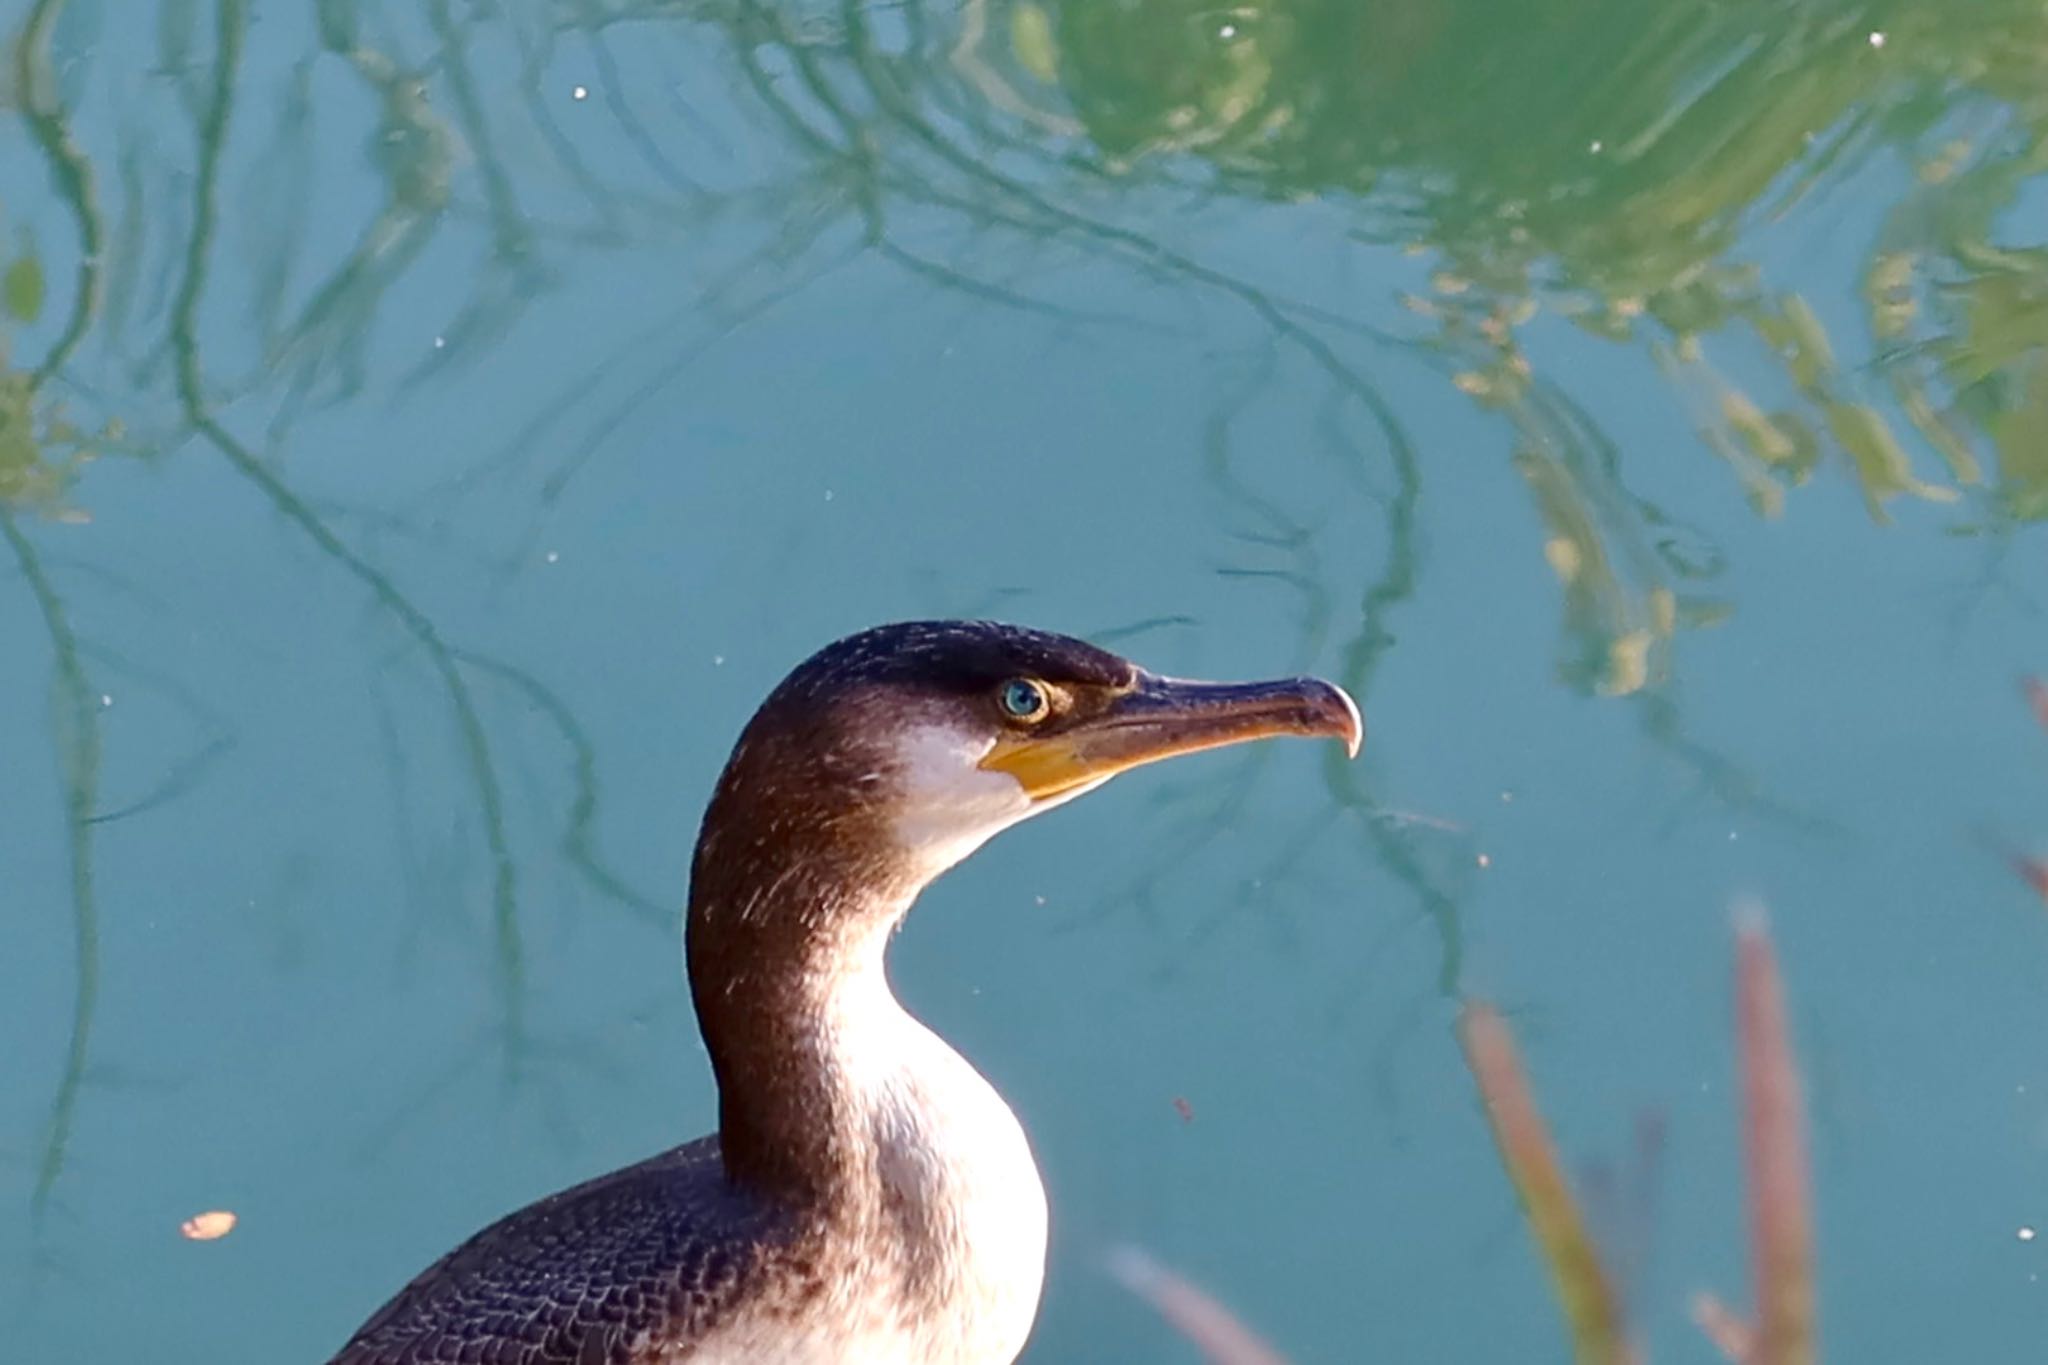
[{"x": 1023, "y": 699}]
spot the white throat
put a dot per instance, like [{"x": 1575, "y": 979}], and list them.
[
  {"x": 951, "y": 804},
  {"x": 957, "y": 1200}
]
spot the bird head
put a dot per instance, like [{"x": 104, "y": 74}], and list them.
[{"x": 906, "y": 746}]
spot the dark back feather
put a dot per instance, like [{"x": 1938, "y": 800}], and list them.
[{"x": 659, "y": 1252}]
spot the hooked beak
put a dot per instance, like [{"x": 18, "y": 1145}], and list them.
[{"x": 1167, "y": 717}]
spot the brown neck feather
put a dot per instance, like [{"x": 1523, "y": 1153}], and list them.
[{"x": 788, "y": 904}]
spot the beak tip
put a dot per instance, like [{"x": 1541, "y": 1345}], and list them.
[
  {"x": 1354, "y": 733},
  {"x": 1342, "y": 716}
]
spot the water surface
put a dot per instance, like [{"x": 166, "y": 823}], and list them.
[{"x": 427, "y": 430}]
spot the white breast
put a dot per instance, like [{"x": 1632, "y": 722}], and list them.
[
  {"x": 950, "y": 1167},
  {"x": 951, "y": 1149}
]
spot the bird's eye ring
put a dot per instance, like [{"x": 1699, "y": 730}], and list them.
[{"x": 1023, "y": 699}]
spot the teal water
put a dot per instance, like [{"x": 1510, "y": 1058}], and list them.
[{"x": 427, "y": 430}]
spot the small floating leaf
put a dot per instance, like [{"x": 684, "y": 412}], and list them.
[{"x": 210, "y": 1226}]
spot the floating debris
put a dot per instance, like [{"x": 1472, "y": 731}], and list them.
[{"x": 210, "y": 1226}]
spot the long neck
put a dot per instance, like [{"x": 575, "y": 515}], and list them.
[{"x": 785, "y": 950}]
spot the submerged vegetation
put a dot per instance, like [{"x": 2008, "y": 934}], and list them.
[
  {"x": 1587, "y": 1287},
  {"x": 1781, "y": 1330}
]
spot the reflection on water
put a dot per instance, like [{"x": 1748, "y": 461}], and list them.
[
  {"x": 1646, "y": 144},
  {"x": 237, "y": 224}
]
